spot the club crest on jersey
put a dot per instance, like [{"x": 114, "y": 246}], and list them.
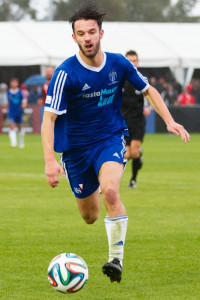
[{"x": 112, "y": 75}]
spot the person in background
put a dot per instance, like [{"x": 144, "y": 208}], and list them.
[
  {"x": 25, "y": 91},
  {"x": 153, "y": 81},
  {"x": 186, "y": 98},
  {"x": 34, "y": 95},
  {"x": 16, "y": 104},
  {"x": 161, "y": 85},
  {"x": 195, "y": 92},
  {"x": 169, "y": 95},
  {"x": 134, "y": 109},
  {"x": 48, "y": 73},
  {"x": 3, "y": 94}
]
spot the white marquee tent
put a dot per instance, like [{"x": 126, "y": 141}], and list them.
[{"x": 173, "y": 45}]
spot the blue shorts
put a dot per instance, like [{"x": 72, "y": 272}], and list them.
[
  {"x": 15, "y": 118},
  {"x": 82, "y": 166}
]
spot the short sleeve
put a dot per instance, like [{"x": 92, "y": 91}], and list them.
[
  {"x": 56, "y": 99},
  {"x": 139, "y": 81},
  {"x": 22, "y": 98}
]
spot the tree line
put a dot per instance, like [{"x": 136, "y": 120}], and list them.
[{"x": 116, "y": 10}]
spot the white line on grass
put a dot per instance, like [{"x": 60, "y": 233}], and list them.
[
  {"x": 22, "y": 175},
  {"x": 168, "y": 182},
  {"x": 18, "y": 188}
]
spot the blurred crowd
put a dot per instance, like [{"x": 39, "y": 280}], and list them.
[{"x": 172, "y": 92}]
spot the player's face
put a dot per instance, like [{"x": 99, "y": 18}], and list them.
[
  {"x": 87, "y": 35},
  {"x": 14, "y": 84},
  {"x": 133, "y": 59}
]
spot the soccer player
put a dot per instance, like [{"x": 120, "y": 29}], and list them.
[
  {"x": 16, "y": 104},
  {"x": 82, "y": 119},
  {"x": 134, "y": 109}
]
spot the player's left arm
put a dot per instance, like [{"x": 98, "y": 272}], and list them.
[
  {"x": 157, "y": 103},
  {"x": 24, "y": 103}
]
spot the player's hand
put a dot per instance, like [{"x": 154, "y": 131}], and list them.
[
  {"x": 146, "y": 111},
  {"x": 24, "y": 104},
  {"x": 52, "y": 170},
  {"x": 178, "y": 129}
]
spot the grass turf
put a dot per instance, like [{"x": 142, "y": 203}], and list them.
[{"x": 162, "y": 257}]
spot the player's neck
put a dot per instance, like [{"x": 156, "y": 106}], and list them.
[
  {"x": 14, "y": 90},
  {"x": 95, "y": 61}
]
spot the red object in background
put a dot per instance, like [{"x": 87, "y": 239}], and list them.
[
  {"x": 44, "y": 91},
  {"x": 186, "y": 98}
]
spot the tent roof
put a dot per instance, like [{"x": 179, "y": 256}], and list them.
[{"x": 158, "y": 44}]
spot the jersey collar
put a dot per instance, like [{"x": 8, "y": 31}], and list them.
[
  {"x": 95, "y": 69},
  {"x": 15, "y": 91}
]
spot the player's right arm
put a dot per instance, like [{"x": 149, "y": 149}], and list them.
[
  {"x": 52, "y": 167},
  {"x": 158, "y": 104},
  {"x": 155, "y": 100}
]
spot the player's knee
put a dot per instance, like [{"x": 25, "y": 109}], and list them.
[
  {"x": 90, "y": 219},
  {"x": 110, "y": 195}
]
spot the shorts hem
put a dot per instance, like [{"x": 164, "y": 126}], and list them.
[{"x": 87, "y": 194}]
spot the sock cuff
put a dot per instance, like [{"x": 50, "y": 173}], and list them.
[
  {"x": 12, "y": 130},
  {"x": 116, "y": 219},
  {"x": 21, "y": 132}
]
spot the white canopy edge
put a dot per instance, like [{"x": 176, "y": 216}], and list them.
[{"x": 173, "y": 45}]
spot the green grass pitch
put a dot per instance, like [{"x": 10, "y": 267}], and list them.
[{"x": 162, "y": 250}]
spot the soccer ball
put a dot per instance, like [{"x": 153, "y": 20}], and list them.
[{"x": 67, "y": 273}]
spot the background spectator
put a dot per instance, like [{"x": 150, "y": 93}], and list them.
[
  {"x": 25, "y": 91},
  {"x": 48, "y": 73},
  {"x": 34, "y": 95},
  {"x": 177, "y": 87},
  {"x": 153, "y": 81},
  {"x": 186, "y": 98},
  {"x": 3, "y": 94},
  {"x": 161, "y": 85},
  {"x": 169, "y": 95},
  {"x": 195, "y": 91}
]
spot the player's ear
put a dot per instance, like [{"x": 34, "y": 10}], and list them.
[
  {"x": 74, "y": 38},
  {"x": 101, "y": 33}
]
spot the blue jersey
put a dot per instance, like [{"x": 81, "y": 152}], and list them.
[
  {"x": 15, "y": 98},
  {"x": 87, "y": 100}
]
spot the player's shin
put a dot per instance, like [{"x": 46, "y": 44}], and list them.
[
  {"x": 13, "y": 137},
  {"x": 116, "y": 231},
  {"x": 21, "y": 138}
]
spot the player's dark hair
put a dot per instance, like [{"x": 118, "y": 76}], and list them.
[
  {"x": 131, "y": 52},
  {"x": 88, "y": 12}
]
